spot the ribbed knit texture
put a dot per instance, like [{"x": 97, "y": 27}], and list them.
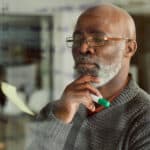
[{"x": 123, "y": 126}]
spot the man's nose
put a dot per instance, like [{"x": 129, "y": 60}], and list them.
[{"x": 85, "y": 48}]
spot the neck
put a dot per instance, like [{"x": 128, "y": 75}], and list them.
[{"x": 115, "y": 85}]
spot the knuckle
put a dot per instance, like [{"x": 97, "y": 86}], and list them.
[
  {"x": 87, "y": 85},
  {"x": 68, "y": 86},
  {"x": 87, "y": 93},
  {"x": 90, "y": 105}
]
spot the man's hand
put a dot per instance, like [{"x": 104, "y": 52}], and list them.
[{"x": 74, "y": 94}]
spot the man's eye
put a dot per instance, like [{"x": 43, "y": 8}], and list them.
[
  {"x": 98, "y": 40},
  {"x": 77, "y": 39}
]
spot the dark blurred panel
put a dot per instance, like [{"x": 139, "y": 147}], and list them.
[{"x": 142, "y": 57}]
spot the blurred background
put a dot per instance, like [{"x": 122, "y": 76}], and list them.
[{"x": 35, "y": 59}]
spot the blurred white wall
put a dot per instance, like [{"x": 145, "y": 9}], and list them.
[{"x": 48, "y": 6}]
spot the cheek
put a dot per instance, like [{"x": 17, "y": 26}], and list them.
[
  {"x": 111, "y": 54},
  {"x": 75, "y": 54}
]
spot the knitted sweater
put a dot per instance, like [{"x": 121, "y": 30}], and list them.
[{"x": 123, "y": 126}]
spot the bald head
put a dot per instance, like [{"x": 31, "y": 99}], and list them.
[{"x": 118, "y": 20}]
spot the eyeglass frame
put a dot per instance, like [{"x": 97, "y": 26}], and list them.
[{"x": 106, "y": 38}]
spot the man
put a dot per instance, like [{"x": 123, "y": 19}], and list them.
[{"x": 103, "y": 43}]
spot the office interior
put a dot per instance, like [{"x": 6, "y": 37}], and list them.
[{"x": 34, "y": 57}]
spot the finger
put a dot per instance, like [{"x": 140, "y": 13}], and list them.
[
  {"x": 87, "y": 78},
  {"x": 89, "y": 87},
  {"x": 85, "y": 98},
  {"x": 88, "y": 103}
]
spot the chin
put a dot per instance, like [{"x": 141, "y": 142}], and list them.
[{"x": 103, "y": 83}]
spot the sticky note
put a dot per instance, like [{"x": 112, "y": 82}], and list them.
[{"x": 11, "y": 92}]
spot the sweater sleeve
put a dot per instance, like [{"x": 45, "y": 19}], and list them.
[{"x": 47, "y": 132}]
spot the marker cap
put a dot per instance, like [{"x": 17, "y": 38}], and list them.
[{"x": 104, "y": 102}]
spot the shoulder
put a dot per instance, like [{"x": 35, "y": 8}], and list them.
[
  {"x": 141, "y": 106},
  {"x": 142, "y": 99},
  {"x": 138, "y": 129},
  {"x": 143, "y": 94}
]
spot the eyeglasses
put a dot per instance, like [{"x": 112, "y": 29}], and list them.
[{"x": 76, "y": 42}]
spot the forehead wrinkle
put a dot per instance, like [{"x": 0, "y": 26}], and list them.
[{"x": 91, "y": 24}]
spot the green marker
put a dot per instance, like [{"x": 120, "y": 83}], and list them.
[{"x": 100, "y": 100}]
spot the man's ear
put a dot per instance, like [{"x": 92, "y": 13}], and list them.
[{"x": 131, "y": 47}]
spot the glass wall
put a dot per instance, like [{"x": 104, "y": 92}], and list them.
[{"x": 25, "y": 64}]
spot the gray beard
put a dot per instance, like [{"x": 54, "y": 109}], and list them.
[{"x": 105, "y": 72}]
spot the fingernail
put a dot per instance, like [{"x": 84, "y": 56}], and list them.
[
  {"x": 92, "y": 108},
  {"x": 98, "y": 79}
]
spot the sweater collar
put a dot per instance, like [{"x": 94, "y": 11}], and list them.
[{"x": 127, "y": 94}]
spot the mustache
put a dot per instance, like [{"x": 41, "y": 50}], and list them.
[{"x": 87, "y": 59}]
